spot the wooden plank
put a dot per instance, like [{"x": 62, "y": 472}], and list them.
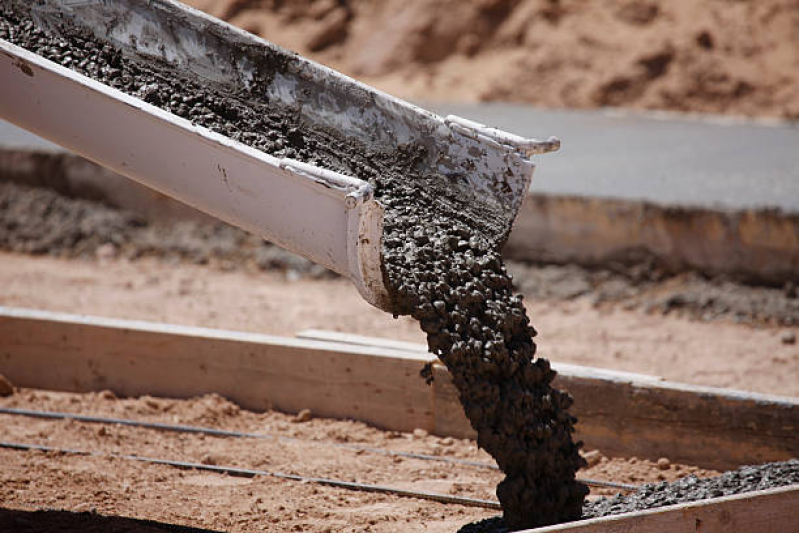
[
  {"x": 621, "y": 414},
  {"x": 767, "y": 511},
  {"x": 421, "y": 351},
  {"x": 703, "y": 426},
  {"x": 361, "y": 340},
  {"x": 624, "y": 413},
  {"x": 78, "y": 353}
]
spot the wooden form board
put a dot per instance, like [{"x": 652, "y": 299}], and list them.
[
  {"x": 78, "y": 353},
  {"x": 767, "y": 511},
  {"x": 621, "y": 414},
  {"x": 628, "y": 414},
  {"x": 713, "y": 428}
]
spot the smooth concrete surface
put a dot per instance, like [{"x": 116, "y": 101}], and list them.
[
  {"x": 14, "y": 138},
  {"x": 667, "y": 159}
]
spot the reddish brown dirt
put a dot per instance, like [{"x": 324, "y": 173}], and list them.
[
  {"x": 715, "y": 56},
  {"x": 269, "y": 302},
  {"x": 115, "y": 487}
]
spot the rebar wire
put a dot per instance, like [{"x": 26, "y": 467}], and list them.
[
  {"x": 249, "y": 473},
  {"x": 179, "y": 428}
]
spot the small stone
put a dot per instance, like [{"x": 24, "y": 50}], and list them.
[
  {"x": 209, "y": 459},
  {"x": 592, "y": 458},
  {"x": 419, "y": 433},
  {"x": 664, "y": 463},
  {"x": 446, "y": 441},
  {"x": 152, "y": 403},
  {"x": 101, "y": 431},
  {"x": 106, "y": 251},
  {"x": 6, "y": 388},
  {"x": 302, "y": 416},
  {"x": 107, "y": 395},
  {"x": 789, "y": 337},
  {"x": 790, "y": 290}
]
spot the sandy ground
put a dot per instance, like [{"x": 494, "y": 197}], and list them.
[
  {"x": 718, "y": 353},
  {"x": 116, "y": 487},
  {"x": 713, "y": 56},
  {"x": 46, "y": 491}
]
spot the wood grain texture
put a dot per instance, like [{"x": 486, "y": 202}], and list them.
[
  {"x": 621, "y": 414},
  {"x": 67, "y": 352},
  {"x": 623, "y": 417},
  {"x": 767, "y": 511}
]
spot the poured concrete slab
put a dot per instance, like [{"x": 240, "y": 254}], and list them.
[
  {"x": 13, "y": 137},
  {"x": 667, "y": 159}
]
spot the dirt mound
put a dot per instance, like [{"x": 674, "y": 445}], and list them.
[
  {"x": 717, "y": 56},
  {"x": 41, "y": 222}
]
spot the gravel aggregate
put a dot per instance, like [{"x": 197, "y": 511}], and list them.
[{"x": 684, "y": 490}]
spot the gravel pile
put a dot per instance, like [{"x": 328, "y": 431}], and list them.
[
  {"x": 42, "y": 222},
  {"x": 685, "y": 490}
]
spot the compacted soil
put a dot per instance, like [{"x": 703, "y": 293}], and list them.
[{"x": 105, "y": 489}]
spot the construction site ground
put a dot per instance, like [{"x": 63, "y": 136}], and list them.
[
  {"x": 755, "y": 357},
  {"x": 731, "y": 59},
  {"x": 102, "y": 489},
  {"x": 122, "y": 488}
]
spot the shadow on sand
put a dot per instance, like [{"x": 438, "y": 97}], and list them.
[{"x": 83, "y": 522}]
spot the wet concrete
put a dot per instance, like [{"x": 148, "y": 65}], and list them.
[
  {"x": 690, "y": 489},
  {"x": 684, "y": 490},
  {"x": 452, "y": 279}
]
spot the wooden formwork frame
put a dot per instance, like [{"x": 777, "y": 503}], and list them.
[
  {"x": 766, "y": 511},
  {"x": 346, "y": 376}
]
